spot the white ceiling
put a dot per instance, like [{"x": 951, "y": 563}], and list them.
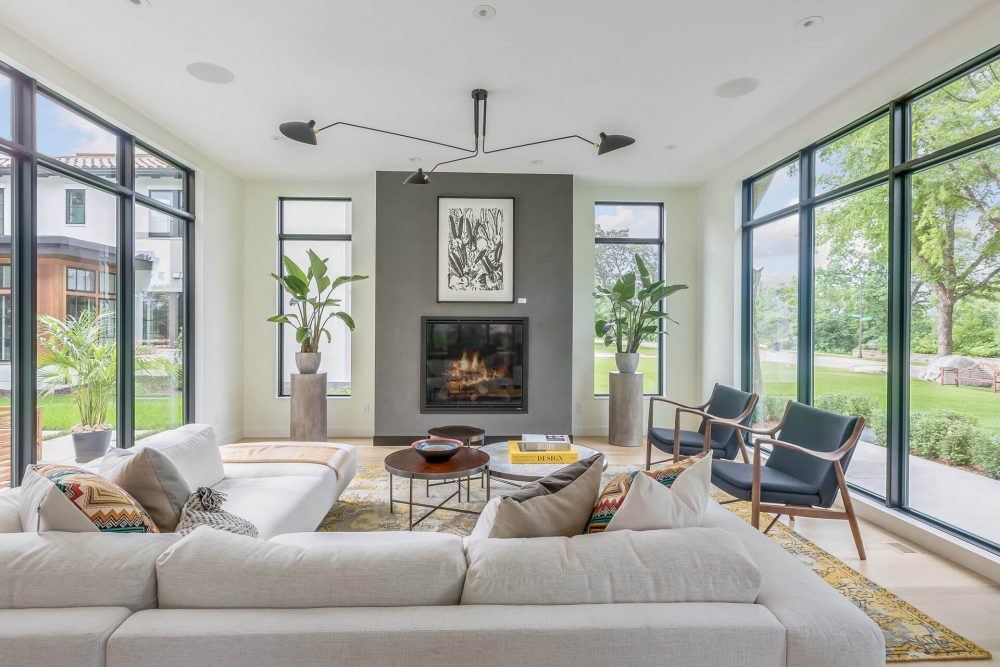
[{"x": 644, "y": 68}]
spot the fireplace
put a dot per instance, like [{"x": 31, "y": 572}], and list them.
[{"x": 474, "y": 364}]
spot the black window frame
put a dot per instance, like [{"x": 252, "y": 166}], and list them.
[
  {"x": 282, "y": 237},
  {"x": 902, "y": 165},
  {"x": 26, "y": 161},
  {"x": 176, "y": 197},
  {"x": 71, "y": 207},
  {"x": 660, "y": 243}
]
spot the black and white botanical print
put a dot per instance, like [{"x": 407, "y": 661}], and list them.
[{"x": 475, "y": 249}]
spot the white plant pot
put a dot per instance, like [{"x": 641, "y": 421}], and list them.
[
  {"x": 627, "y": 362},
  {"x": 307, "y": 362}
]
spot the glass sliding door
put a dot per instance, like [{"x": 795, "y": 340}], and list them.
[
  {"x": 850, "y": 322},
  {"x": 6, "y": 303},
  {"x": 159, "y": 310},
  {"x": 77, "y": 265},
  {"x": 774, "y": 333},
  {"x": 955, "y": 343}
]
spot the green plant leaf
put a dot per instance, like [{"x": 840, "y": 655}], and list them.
[
  {"x": 345, "y": 318},
  {"x": 280, "y": 319},
  {"x": 317, "y": 265},
  {"x": 347, "y": 279},
  {"x": 293, "y": 269}
]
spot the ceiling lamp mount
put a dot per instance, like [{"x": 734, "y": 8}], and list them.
[{"x": 305, "y": 132}]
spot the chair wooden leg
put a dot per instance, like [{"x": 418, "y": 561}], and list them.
[
  {"x": 849, "y": 508},
  {"x": 677, "y": 437},
  {"x": 755, "y": 500},
  {"x": 649, "y": 452},
  {"x": 743, "y": 447}
]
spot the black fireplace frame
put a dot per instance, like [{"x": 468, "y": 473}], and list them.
[{"x": 485, "y": 409}]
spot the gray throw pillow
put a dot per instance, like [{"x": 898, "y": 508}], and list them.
[
  {"x": 152, "y": 479},
  {"x": 558, "y": 505}
]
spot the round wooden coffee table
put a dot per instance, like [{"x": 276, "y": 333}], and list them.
[{"x": 411, "y": 465}]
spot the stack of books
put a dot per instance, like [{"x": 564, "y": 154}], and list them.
[{"x": 541, "y": 449}]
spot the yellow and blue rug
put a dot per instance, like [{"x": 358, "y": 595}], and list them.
[{"x": 910, "y": 634}]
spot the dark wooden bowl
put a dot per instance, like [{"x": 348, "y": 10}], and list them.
[{"x": 435, "y": 450}]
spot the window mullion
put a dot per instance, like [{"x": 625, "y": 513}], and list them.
[
  {"x": 805, "y": 286},
  {"x": 125, "y": 309}
]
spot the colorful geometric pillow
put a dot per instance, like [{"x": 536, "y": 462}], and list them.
[
  {"x": 614, "y": 493},
  {"x": 60, "y": 496}
]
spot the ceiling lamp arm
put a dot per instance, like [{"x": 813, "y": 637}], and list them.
[
  {"x": 532, "y": 143},
  {"x": 399, "y": 134},
  {"x": 458, "y": 159}
]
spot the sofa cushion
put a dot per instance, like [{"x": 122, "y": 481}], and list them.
[
  {"x": 651, "y": 505},
  {"x": 80, "y": 569},
  {"x": 71, "y": 636},
  {"x": 685, "y": 565},
  {"x": 152, "y": 479},
  {"x": 67, "y": 498},
  {"x": 277, "y": 505},
  {"x": 212, "y": 569},
  {"x": 10, "y": 512},
  {"x": 556, "y": 505},
  {"x": 776, "y": 486},
  {"x": 193, "y": 449},
  {"x": 822, "y": 626},
  {"x": 616, "y": 491},
  {"x": 636, "y": 635}
]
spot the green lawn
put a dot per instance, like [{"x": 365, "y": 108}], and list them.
[
  {"x": 151, "y": 414},
  {"x": 604, "y": 365},
  {"x": 981, "y": 402}
]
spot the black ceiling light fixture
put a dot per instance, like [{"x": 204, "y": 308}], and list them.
[{"x": 305, "y": 132}]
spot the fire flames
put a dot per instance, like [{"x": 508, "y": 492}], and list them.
[{"x": 471, "y": 375}]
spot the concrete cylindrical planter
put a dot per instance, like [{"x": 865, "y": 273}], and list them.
[
  {"x": 89, "y": 445},
  {"x": 307, "y": 362},
  {"x": 627, "y": 362}
]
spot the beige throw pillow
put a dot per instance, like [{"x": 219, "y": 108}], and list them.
[
  {"x": 152, "y": 479},
  {"x": 557, "y": 505},
  {"x": 650, "y": 505}
]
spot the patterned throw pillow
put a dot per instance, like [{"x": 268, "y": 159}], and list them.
[
  {"x": 614, "y": 493},
  {"x": 104, "y": 504}
]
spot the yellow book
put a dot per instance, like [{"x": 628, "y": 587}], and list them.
[{"x": 541, "y": 453}]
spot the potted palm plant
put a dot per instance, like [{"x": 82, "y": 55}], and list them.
[
  {"x": 635, "y": 313},
  {"x": 312, "y": 310},
  {"x": 78, "y": 356}
]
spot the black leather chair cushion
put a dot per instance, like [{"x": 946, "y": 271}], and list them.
[
  {"x": 692, "y": 442},
  {"x": 819, "y": 431},
  {"x": 776, "y": 486}
]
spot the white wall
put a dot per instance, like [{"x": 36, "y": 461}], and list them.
[
  {"x": 264, "y": 413},
  {"x": 719, "y": 197},
  {"x": 218, "y": 233},
  {"x": 682, "y": 379}
]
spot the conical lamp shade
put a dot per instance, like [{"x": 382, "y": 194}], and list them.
[
  {"x": 417, "y": 178},
  {"x": 299, "y": 131},
  {"x": 612, "y": 142}
]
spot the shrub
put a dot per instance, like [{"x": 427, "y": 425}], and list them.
[
  {"x": 945, "y": 434},
  {"x": 772, "y": 408},
  {"x": 986, "y": 455}
]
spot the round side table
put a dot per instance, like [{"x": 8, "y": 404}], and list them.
[
  {"x": 470, "y": 436},
  {"x": 409, "y": 464}
]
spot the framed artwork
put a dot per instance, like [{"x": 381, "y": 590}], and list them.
[{"x": 475, "y": 249}]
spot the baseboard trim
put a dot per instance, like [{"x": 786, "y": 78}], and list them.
[{"x": 930, "y": 538}]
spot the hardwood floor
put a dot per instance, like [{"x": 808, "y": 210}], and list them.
[{"x": 960, "y": 599}]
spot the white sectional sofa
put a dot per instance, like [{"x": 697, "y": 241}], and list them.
[{"x": 723, "y": 594}]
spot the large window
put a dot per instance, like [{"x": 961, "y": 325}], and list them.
[
  {"x": 622, "y": 231},
  {"x": 75, "y": 268},
  {"x": 324, "y": 226},
  {"x": 890, "y": 302}
]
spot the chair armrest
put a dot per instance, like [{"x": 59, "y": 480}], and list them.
[
  {"x": 835, "y": 455},
  {"x": 734, "y": 423},
  {"x": 680, "y": 406}
]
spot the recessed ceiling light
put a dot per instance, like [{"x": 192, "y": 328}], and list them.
[
  {"x": 484, "y": 12},
  {"x": 210, "y": 73},
  {"x": 737, "y": 87},
  {"x": 139, "y": 3},
  {"x": 810, "y": 22},
  {"x": 277, "y": 137},
  {"x": 670, "y": 147},
  {"x": 416, "y": 159},
  {"x": 538, "y": 162}
]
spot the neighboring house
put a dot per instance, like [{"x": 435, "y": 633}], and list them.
[{"x": 78, "y": 255}]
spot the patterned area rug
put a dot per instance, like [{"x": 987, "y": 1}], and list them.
[{"x": 910, "y": 635}]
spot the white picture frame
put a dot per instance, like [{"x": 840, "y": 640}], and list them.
[{"x": 475, "y": 250}]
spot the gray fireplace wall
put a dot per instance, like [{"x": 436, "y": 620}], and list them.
[{"x": 406, "y": 289}]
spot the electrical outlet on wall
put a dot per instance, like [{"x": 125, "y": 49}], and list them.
[
  {"x": 521, "y": 299},
  {"x": 365, "y": 408}
]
